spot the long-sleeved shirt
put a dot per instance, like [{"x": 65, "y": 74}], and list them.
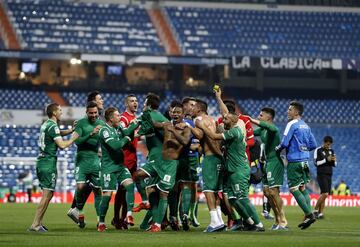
[{"x": 298, "y": 141}]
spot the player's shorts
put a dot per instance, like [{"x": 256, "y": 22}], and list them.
[
  {"x": 298, "y": 174},
  {"x": 273, "y": 173},
  {"x": 212, "y": 167},
  {"x": 237, "y": 184},
  {"x": 87, "y": 170},
  {"x": 110, "y": 180},
  {"x": 162, "y": 173},
  {"x": 46, "y": 172},
  {"x": 324, "y": 181},
  {"x": 188, "y": 169}
]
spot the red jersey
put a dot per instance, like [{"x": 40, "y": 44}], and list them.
[
  {"x": 130, "y": 158},
  {"x": 250, "y": 141}
]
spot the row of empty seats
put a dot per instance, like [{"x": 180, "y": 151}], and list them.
[
  {"x": 316, "y": 111},
  {"x": 84, "y": 27},
  {"x": 229, "y": 32},
  {"x": 22, "y": 142},
  {"x": 115, "y": 28}
]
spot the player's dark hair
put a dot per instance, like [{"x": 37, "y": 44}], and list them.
[
  {"x": 109, "y": 112},
  {"x": 328, "y": 139},
  {"x": 270, "y": 111},
  {"x": 176, "y": 103},
  {"x": 129, "y": 96},
  {"x": 51, "y": 108},
  {"x": 231, "y": 106},
  {"x": 202, "y": 105},
  {"x": 92, "y": 95},
  {"x": 153, "y": 101},
  {"x": 298, "y": 106},
  {"x": 187, "y": 100},
  {"x": 91, "y": 104}
]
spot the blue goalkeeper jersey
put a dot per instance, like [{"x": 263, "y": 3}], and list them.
[
  {"x": 193, "y": 140},
  {"x": 298, "y": 141}
]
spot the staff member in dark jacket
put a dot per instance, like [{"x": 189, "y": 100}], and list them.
[{"x": 325, "y": 160}]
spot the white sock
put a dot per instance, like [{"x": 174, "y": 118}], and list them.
[
  {"x": 218, "y": 210},
  {"x": 129, "y": 213},
  {"x": 214, "y": 218},
  {"x": 250, "y": 221}
]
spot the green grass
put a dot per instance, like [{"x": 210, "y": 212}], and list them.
[{"x": 341, "y": 227}]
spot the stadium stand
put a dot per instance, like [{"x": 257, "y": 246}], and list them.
[
  {"x": 83, "y": 27},
  {"x": 23, "y": 99},
  {"x": 229, "y": 32},
  {"x": 22, "y": 142},
  {"x": 2, "y": 45},
  {"x": 328, "y": 117}
]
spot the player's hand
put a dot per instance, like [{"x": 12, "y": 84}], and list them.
[
  {"x": 180, "y": 126},
  {"x": 217, "y": 93},
  {"x": 95, "y": 130}
]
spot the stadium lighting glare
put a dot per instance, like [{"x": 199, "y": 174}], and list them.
[
  {"x": 75, "y": 61},
  {"x": 24, "y": 18},
  {"x": 67, "y": 20},
  {"x": 34, "y": 12},
  {"x": 264, "y": 47},
  {"x": 22, "y": 75}
]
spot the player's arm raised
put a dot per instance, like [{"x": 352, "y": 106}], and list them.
[
  {"x": 208, "y": 132},
  {"x": 223, "y": 109}
]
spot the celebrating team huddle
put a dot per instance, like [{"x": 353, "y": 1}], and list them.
[{"x": 106, "y": 162}]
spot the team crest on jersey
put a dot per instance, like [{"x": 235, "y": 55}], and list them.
[{"x": 106, "y": 134}]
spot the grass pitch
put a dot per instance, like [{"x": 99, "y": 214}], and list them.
[{"x": 341, "y": 227}]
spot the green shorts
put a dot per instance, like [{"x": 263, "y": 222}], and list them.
[
  {"x": 162, "y": 173},
  {"x": 212, "y": 167},
  {"x": 273, "y": 173},
  {"x": 46, "y": 172},
  {"x": 298, "y": 174},
  {"x": 110, "y": 180},
  {"x": 237, "y": 184},
  {"x": 88, "y": 169},
  {"x": 188, "y": 169}
]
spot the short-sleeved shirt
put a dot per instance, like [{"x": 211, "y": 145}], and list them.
[
  {"x": 270, "y": 136},
  {"x": 49, "y": 131},
  {"x": 235, "y": 144},
  {"x": 90, "y": 146}
]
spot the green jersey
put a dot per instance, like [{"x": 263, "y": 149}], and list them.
[
  {"x": 270, "y": 136},
  {"x": 235, "y": 144},
  {"x": 112, "y": 159},
  {"x": 154, "y": 139},
  {"x": 87, "y": 146},
  {"x": 49, "y": 131}
]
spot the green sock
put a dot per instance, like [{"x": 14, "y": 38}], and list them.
[
  {"x": 145, "y": 223},
  {"x": 235, "y": 215},
  {"x": 186, "y": 197},
  {"x": 97, "y": 199},
  {"x": 301, "y": 200},
  {"x": 154, "y": 201},
  {"x": 173, "y": 203},
  {"x": 140, "y": 186},
  {"x": 307, "y": 197},
  {"x": 239, "y": 207},
  {"x": 129, "y": 196},
  {"x": 250, "y": 209},
  {"x": 163, "y": 203},
  {"x": 104, "y": 205},
  {"x": 192, "y": 209}
]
